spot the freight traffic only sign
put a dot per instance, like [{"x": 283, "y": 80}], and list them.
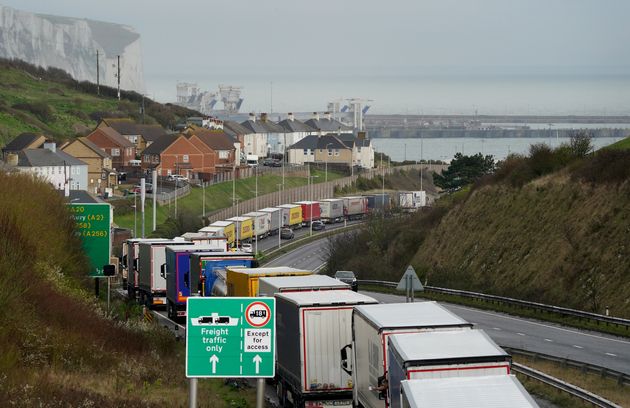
[
  {"x": 230, "y": 337},
  {"x": 93, "y": 226}
]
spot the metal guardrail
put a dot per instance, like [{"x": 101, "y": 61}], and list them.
[
  {"x": 571, "y": 389},
  {"x": 617, "y": 321},
  {"x": 622, "y": 378}
]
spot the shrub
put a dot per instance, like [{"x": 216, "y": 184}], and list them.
[
  {"x": 40, "y": 109},
  {"x": 605, "y": 166}
]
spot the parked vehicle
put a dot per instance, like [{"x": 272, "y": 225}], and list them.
[
  {"x": 261, "y": 222},
  {"x": 371, "y": 327},
  {"x": 318, "y": 226},
  {"x": 412, "y": 200},
  {"x": 287, "y": 233},
  {"x": 355, "y": 208},
  {"x": 247, "y": 247},
  {"x": 151, "y": 282},
  {"x": 129, "y": 263},
  {"x": 200, "y": 238},
  {"x": 275, "y": 223},
  {"x": 148, "y": 187},
  {"x": 291, "y": 215},
  {"x": 244, "y": 281},
  {"x": 310, "y": 211},
  {"x": 252, "y": 160},
  {"x": 311, "y": 329},
  {"x": 269, "y": 286},
  {"x": 331, "y": 210},
  {"x": 498, "y": 391},
  {"x": 378, "y": 202},
  {"x": 224, "y": 228},
  {"x": 244, "y": 227},
  {"x": 348, "y": 277},
  {"x": 177, "y": 178},
  {"x": 441, "y": 354},
  {"x": 208, "y": 270}
]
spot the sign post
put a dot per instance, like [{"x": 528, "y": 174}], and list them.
[
  {"x": 93, "y": 226},
  {"x": 230, "y": 337}
]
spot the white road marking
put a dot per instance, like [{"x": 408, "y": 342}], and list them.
[
  {"x": 521, "y": 334},
  {"x": 496, "y": 328},
  {"x": 549, "y": 340},
  {"x": 576, "y": 346},
  {"x": 611, "y": 354},
  {"x": 539, "y": 324}
]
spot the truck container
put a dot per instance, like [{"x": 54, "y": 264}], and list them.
[
  {"x": 331, "y": 210},
  {"x": 311, "y": 329},
  {"x": 366, "y": 356},
  {"x": 208, "y": 270},
  {"x": 129, "y": 262},
  {"x": 310, "y": 211},
  {"x": 225, "y": 228},
  {"x": 151, "y": 280},
  {"x": 201, "y": 238},
  {"x": 261, "y": 221},
  {"x": 244, "y": 228},
  {"x": 244, "y": 281},
  {"x": 412, "y": 200},
  {"x": 272, "y": 285},
  {"x": 378, "y": 202},
  {"x": 276, "y": 219},
  {"x": 355, "y": 208},
  {"x": 441, "y": 354},
  {"x": 177, "y": 272},
  {"x": 466, "y": 392},
  {"x": 291, "y": 215}
]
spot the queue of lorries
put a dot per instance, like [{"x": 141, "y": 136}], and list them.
[{"x": 335, "y": 347}]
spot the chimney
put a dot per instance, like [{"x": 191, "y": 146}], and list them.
[
  {"x": 315, "y": 115},
  {"x": 328, "y": 116},
  {"x": 252, "y": 117},
  {"x": 291, "y": 117},
  {"x": 361, "y": 135},
  {"x": 50, "y": 145},
  {"x": 263, "y": 117},
  {"x": 12, "y": 159}
]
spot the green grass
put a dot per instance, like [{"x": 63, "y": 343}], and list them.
[{"x": 622, "y": 144}]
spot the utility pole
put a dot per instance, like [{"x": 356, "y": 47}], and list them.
[
  {"x": 118, "y": 77},
  {"x": 98, "y": 73},
  {"x": 383, "y": 189},
  {"x": 155, "y": 195}
]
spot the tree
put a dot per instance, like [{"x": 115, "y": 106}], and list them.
[
  {"x": 581, "y": 143},
  {"x": 464, "y": 170}
]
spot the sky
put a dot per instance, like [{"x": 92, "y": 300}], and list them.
[{"x": 189, "y": 38}]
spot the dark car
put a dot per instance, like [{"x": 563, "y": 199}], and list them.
[
  {"x": 286, "y": 233},
  {"x": 349, "y": 278},
  {"x": 276, "y": 163},
  {"x": 318, "y": 226}
]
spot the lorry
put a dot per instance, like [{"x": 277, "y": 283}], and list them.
[
  {"x": 200, "y": 238},
  {"x": 244, "y": 228},
  {"x": 355, "y": 208},
  {"x": 412, "y": 200},
  {"x": 261, "y": 221},
  {"x": 310, "y": 211},
  {"x": 331, "y": 210},
  {"x": 311, "y": 328},
  {"x": 441, "y": 354},
  {"x": 225, "y": 228},
  {"x": 269, "y": 286},
  {"x": 151, "y": 282},
  {"x": 252, "y": 160},
  {"x": 291, "y": 215},
  {"x": 276, "y": 219},
  {"x": 366, "y": 356},
  {"x": 466, "y": 392},
  {"x": 378, "y": 202},
  {"x": 188, "y": 273},
  {"x": 129, "y": 264},
  {"x": 244, "y": 281},
  {"x": 208, "y": 270}
]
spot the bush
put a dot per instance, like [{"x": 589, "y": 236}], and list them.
[
  {"x": 40, "y": 109},
  {"x": 605, "y": 166}
]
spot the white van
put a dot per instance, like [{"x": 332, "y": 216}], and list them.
[{"x": 135, "y": 163}]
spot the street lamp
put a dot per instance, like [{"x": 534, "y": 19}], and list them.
[
  {"x": 326, "y": 157},
  {"x": 310, "y": 179},
  {"x": 279, "y": 215}
]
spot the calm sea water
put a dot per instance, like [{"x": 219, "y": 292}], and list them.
[{"x": 445, "y": 148}]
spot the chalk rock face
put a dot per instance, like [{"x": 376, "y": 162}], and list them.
[{"x": 71, "y": 44}]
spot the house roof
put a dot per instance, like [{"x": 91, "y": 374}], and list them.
[
  {"x": 151, "y": 133},
  {"x": 122, "y": 125},
  {"x": 216, "y": 140},
  {"x": 327, "y": 125},
  {"x": 21, "y": 142},
  {"x": 296, "y": 126},
  {"x": 234, "y": 128},
  {"x": 92, "y": 146},
  {"x": 350, "y": 140},
  {"x": 319, "y": 142},
  {"x": 46, "y": 157},
  {"x": 114, "y": 136},
  {"x": 161, "y": 144},
  {"x": 260, "y": 126}
]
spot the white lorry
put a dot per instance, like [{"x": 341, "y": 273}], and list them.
[
  {"x": 366, "y": 357},
  {"x": 331, "y": 210},
  {"x": 272, "y": 285},
  {"x": 311, "y": 328},
  {"x": 129, "y": 263},
  {"x": 262, "y": 223}
]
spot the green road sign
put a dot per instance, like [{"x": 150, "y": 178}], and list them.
[
  {"x": 230, "y": 337},
  {"x": 93, "y": 225}
]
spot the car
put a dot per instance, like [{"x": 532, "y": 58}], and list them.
[
  {"x": 247, "y": 247},
  {"x": 177, "y": 177},
  {"x": 318, "y": 226},
  {"x": 287, "y": 233},
  {"x": 348, "y": 277},
  {"x": 276, "y": 163},
  {"x": 148, "y": 187}
]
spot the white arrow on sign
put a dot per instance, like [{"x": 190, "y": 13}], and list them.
[
  {"x": 214, "y": 359},
  {"x": 257, "y": 360}
]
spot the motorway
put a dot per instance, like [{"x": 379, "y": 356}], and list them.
[{"x": 508, "y": 331}]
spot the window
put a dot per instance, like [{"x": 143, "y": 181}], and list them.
[
  {"x": 115, "y": 152},
  {"x": 358, "y": 149},
  {"x": 185, "y": 158},
  {"x": 306, "y": 152},
  {"x": 224, "y": 154},
  {"x": 330, "y": 153},
  {"x": 336, "y": 152}
]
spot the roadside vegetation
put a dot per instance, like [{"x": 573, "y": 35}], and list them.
[
  {"x": 399, "y": 180},
  {"x": 59, "y": 345}
]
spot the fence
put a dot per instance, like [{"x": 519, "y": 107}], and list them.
[{"x": 166, "y": 197}]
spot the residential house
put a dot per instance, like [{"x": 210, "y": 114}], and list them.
[
  {"x": 327, "y": 125},
  {"x": 113, "y": 143},
  {"x": 148, "y": 134},
  {"x": 54, "y": 166},
  {"x": 220, "y": 145},
  {"x": 139, "y": 134},
  {"x": 237, "y": 132},
  {"x": 320, "y": 149},
  {"x": 100, "y": 173},
  {"x": 295, "y": 130},
  {"x": 362, "y": 149},
  {"x": 176, "y": 154},
  {"x": 261, "y": 133},
  {"x": 23, "y": 141}
]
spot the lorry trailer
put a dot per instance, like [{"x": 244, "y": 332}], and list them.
[
  {"x": 268, "y": 286},
  {"x": 378, "y": 202},
  {"x": 441, "y": 354},
  {"x": 261, "y": 222},
  {"x": 331, "y": 210},
  {"x": 355, "y": 208},
  {"x": 310, "y": 211},
  {"x": 275, "y": 224},
  {"x": 291, "y": 215},
  {"x": 366, "y": 356},
  {"x": 200, "y": 238},
  {"x": 311, "y": 328},
  {"x": 129, "y": 264},
  {"x": 225, "y": 228},
  {"x": 244, "y": 281},
  {"x": 208, "y": 270},
  {"x": 244, "y": 228}
]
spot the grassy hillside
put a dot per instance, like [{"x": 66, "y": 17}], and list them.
[
  {"x": 52, "y": 103},
  {"x": 622, "y": 144},
  {"x": 59, "y": 346}
]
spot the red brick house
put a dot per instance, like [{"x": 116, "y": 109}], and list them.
[
  {"x": 176, "y": 154},
  {"x": 113, "y": 143},
  {"x": 219, "y": 144}
]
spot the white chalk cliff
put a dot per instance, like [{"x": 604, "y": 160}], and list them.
[{"x": 71, "y": 44}]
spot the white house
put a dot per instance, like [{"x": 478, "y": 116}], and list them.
[
  {"x": 362, "y": 149},
  {"x": 54, "y": 166},
  {"x": 256, "y": 140},
  {"x": 295, "y": 130}
]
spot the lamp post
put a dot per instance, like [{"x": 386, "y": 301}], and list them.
[
  {"x": 238, "y": 230},
  {"x": 279, "y": 215},
  {"x": 256, "y": 237},
  {"x": 326, "y": 163},
  {"x": 383, "y": 189},
  {"x": 135, "y": 213}
]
